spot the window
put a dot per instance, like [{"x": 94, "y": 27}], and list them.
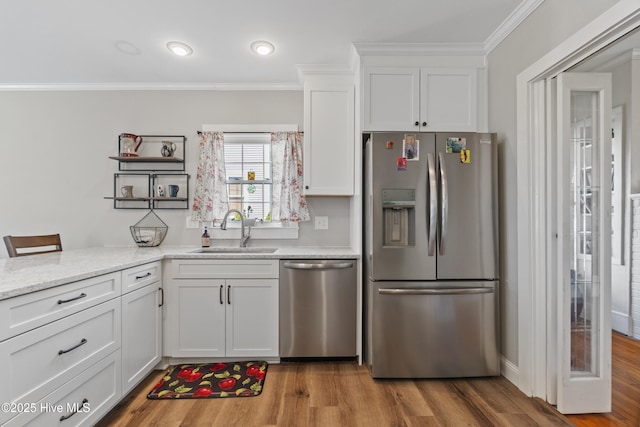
[{"x": 246, "y": 156}]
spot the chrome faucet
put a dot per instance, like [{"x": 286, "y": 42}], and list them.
[{"x": 243, "y": 237}]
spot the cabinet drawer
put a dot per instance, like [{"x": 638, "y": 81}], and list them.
[
  {"x": 26, "y": 312},
  {"x": 137, "y": 277},
  {"x": 226, "y": 269},
  {"x": 90, "y": 395},
  {"x": 39, "y": 361}
]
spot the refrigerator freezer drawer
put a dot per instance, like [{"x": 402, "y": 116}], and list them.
[{"x": 433, "y": 330}]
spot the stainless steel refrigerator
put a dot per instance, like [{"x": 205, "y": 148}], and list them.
[{"x": 431, "y": 235}]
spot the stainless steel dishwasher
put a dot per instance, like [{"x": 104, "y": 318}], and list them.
[{"x": 317, "y": 308}]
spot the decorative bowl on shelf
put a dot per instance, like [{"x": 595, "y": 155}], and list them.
[{"x": 149, "y": 231}]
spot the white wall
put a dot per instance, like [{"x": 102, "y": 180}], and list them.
[
  {"x": 551, "y": 23},
  {"x": 620, "y": 279},
  {"x": 56, "y": 172}
]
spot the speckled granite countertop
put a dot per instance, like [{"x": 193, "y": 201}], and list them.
[{"x": 28, "y": 274}]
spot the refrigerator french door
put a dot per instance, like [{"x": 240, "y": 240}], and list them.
[{"x": 431, "y": 254}]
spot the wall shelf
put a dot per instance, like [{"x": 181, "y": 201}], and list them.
[
  {"x": 150, "y": 154},
  {"x": 151, "y": 189},
  {"x": 147, "y": 159}
]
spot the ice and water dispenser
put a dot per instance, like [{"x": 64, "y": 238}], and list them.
[{"x": 399, "y": 206}]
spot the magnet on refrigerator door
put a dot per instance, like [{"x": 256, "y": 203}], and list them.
[
  {"x": 410, "y": 147},
  {"x": 455, "y": 145},
  {"x": 401, "y": 163},
  {"x": 465, "y": 156}
]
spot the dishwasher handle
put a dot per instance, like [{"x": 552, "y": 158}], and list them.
[
  {"x": 417, "y": 291},
  {"x": 317, "y": 266}
]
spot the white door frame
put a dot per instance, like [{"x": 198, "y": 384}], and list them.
[{"x": 532, "y": 147}]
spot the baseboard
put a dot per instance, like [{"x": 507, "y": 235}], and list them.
[
  {"x": 620, "y": 322},
  {"x": 512, "y": 373}
]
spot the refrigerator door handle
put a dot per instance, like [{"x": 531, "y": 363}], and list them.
[
  {"x": 445, "y": 203},
  {"x": 449, "y": 291},
  {"x": 433, "y": 204}
]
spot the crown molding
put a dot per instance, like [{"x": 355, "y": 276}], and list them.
[
  {"x": 512, "y": 21},
  {"x": 150, "y": 86},
  {"x": 400, "y": 49},
  {"x": 329, "y": 69}
]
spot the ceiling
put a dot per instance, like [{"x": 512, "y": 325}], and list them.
[{"x": 123, "y": 42}]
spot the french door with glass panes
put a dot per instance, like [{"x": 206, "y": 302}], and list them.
[{"x": 584, "y": 242}]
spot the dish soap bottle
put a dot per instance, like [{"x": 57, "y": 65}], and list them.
[{"x": 205, "y": 238}]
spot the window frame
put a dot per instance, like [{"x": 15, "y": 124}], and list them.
[{"x": 265, "y": 230}]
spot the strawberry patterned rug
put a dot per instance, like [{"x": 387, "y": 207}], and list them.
[{"x": 224, "y": 379}]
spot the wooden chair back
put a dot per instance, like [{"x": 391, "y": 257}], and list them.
[{"x": 48, "y": 243}]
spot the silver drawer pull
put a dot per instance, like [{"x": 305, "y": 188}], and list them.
[
  {"x": 64, "y": 301},
  {"x": 464, "y": 291},
  {"x": 143, "y": 276},
  {"x": 80, "y": 406},
  {"x": 83, "y": 342},
  {"x": 317, "y": 266}
]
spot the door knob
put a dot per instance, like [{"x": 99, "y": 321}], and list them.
[
  {"x": 417, "y": 123},
  {"x": 424, "y": 123}
]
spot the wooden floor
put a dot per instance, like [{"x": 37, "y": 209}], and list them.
[
  {"x": 625, "y": 384},
  {"x": 344, "y": 394}
]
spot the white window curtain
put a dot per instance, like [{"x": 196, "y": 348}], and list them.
[
  {"x": 210, "y": 195},
  {"x": 288, "y": 203}
]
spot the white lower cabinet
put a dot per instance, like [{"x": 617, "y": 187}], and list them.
[
  {"x": 141, "y": 334},
  {"x": 252, "y": 317},
  {"x": 209, "y": 316},
  {"x": 71, "y": 352},
  {"x": 82, "y": 401},
  {"x": 39, "y": 361}
]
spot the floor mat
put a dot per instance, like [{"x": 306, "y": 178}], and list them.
[{"x": 205, "y": 380}]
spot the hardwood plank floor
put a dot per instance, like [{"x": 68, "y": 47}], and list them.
[
  {"x": 625, "y": 387},
  {"x": 344, "y": 394}
]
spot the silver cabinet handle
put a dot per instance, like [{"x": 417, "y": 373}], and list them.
[
  {"x": 457, "y": 291},
  {"x": 433, "y": 204},
  {"x": 317, "y": 266},
  {"x": 445, "y": 203}
]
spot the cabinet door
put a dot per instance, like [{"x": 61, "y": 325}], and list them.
[
  {"x": 197, "y": 320},
  {"x": 448, "y": 99},
  {"x": 329, "y": 139},
  {"x": 391, "y": 99},
  {"x": 252, "y": 317},
  {"x": 141, "y": 334}
]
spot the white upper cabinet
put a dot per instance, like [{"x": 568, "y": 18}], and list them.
[
  {"x": 329, "y": 114},
  {"x": 420, "y": 99}
]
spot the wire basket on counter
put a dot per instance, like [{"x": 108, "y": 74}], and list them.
[{"x": 149, "y": 231}]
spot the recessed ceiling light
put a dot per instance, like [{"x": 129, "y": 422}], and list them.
[
  {"x": 179, "y": 48},
  {"x": 127, "y": 47},
  {"x": 262, "y": 48}
]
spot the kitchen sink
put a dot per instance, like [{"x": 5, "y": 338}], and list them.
[{"x": 235, "y": 250}]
